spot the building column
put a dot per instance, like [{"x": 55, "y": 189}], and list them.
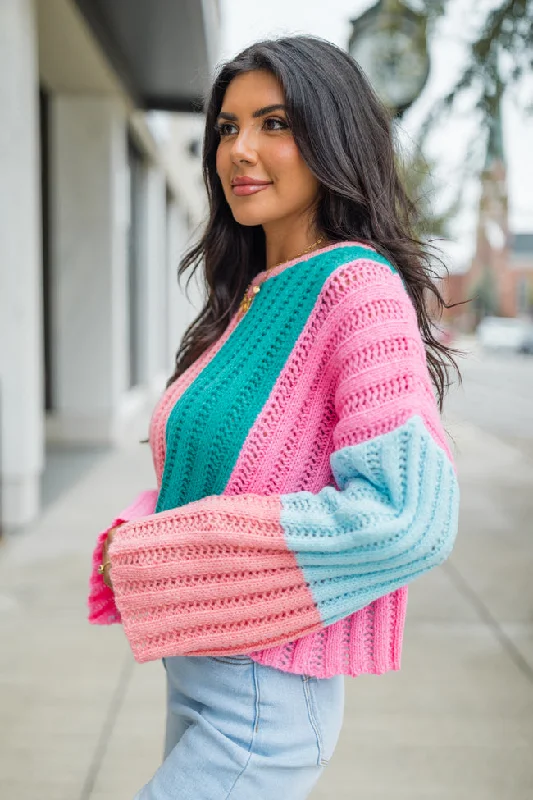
[
  {"x": 89, "y": 219},
  {"x": 21, "y": 353}
]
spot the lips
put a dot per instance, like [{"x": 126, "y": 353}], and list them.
[
  {"x": 249, "y": 188},
  {"x": 243, "y": 186}
]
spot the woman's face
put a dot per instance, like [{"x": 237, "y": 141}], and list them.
[{"x": 262, "y": 172}]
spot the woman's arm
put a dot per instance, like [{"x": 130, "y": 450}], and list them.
[{"x": 234, "y": 574}]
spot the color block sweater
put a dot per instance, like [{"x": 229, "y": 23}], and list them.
[{"x": 304, "y": 480}]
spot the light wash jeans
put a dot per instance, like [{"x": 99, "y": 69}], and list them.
[{"x": 237, "y": 730}]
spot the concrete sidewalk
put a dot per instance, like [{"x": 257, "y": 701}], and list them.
[{"x": 81, "y": 721}]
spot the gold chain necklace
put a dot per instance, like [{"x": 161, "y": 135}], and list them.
[{"x": 252, "y": 290}]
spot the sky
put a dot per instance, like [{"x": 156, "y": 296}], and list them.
[{"x": 245, "y": 21}]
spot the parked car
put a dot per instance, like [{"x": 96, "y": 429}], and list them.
[{"x": 503, "y": 333}]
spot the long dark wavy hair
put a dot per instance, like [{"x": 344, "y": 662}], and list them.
[{"x": 345, "y": 137}]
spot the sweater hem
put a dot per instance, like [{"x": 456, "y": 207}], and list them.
[{"x": 351, "y": 672}]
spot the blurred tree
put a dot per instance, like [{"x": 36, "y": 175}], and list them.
[
  {"x": 530, "y": 299},
  {"x": 499, "y": 56},
  {"x": 422, "y": 187},
  {"x": 499, "y": 42},
  {"x": 484, "y": 296}
]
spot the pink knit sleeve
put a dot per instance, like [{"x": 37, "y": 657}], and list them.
[{"x": 101, "y": 600}]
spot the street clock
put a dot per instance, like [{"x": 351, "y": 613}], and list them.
[{"x": 389, "y": 42}]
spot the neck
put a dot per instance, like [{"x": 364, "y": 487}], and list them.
[{"x": 287, "y": 241}]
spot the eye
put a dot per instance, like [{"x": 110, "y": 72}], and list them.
[
  {"x": 225, "y": 128},
  {"x": 275, "y": 124}
]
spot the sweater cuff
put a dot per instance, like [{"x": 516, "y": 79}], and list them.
[{"x": 101, "y": 600}]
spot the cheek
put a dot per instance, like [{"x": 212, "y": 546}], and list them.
[
  {"x": 223, "y": 169},
  {"x": 290, "y": 170},
  {"x": 284, "y": 157}
]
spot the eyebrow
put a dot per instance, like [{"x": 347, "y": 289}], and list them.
[{"x": 259, "y": 113}]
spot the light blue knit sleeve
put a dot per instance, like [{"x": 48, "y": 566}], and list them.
[{"x": 393, "y": 517}]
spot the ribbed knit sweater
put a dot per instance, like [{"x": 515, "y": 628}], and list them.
[{"x": 304, "y": 479}]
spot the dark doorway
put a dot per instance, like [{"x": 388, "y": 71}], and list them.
[{"x": 44, "y": 129}]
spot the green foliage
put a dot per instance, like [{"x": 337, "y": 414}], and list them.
[
  {"x": 418, "y": 179},
  {"x": 485, "y": 297},
  {"x": 498, "y": 58}
]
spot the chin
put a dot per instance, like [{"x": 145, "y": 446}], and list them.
[{"x": 250, "y": 218}]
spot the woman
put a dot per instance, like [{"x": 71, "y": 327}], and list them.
[{"x": 304, "y": 476}]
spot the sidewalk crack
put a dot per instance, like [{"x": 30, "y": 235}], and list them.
[
  {"x": 506, "y": 642},
  {"x": 115, "y": 705}
]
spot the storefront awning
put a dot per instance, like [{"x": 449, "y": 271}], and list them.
[{"x": 162, "y": 50}]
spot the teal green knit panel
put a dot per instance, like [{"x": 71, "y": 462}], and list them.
[{"x": 209, "y": 424}]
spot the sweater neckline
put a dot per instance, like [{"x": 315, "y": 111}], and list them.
[{"x": 266, "y": 275}]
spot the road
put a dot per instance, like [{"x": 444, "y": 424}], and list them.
[{"x": 496, "y": 395}]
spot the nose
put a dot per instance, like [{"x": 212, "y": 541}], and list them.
[{"x": 244, "y": 148}]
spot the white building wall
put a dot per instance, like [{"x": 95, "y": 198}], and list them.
[
  {"x": 174, "y": 134},
  {"x": 187, "y": 215},
  {"x": 89, "y": 215},
  {"x": 21, "y": 353},
  {"x": 155, "y": 297},
  {"x": 88, "y": 264},
  {"x": 182, "y": 130},
  {"x": 184, "y": 303}
]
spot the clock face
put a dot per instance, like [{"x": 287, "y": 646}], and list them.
[{"x": 395, "y": 65}]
